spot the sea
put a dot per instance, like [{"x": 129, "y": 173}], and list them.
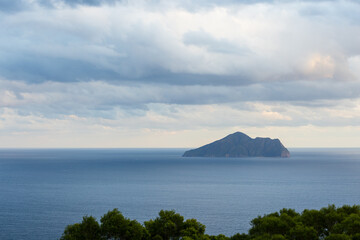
[{"x": 44, "y": 190}]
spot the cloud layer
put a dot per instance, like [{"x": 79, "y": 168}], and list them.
[{"x": 177, "y": 66}]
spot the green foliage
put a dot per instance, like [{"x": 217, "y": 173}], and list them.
[
  {"x": 356, "y": 236},
  {"x": 239, "y": 236},
  {"x": 115, "y": 226},
  {"x": 301, "y": 232},
  {"x": 219, "y": 237},
  {"x": 157, "y": 237},
  {"x": 329, "y": 223},
  {"x": 315, "y": 219},
  {"x": 168, "y": 225},
  {"x": 193, "y": 229},
  {"x": 88, "y": 229},
  {"x": 269, "y": 237},
  {"x": 338, "y": 237},
  {"x": 278, "y": 237},
  {"x": 350, "y": 225},
  {"x": 274, "y": 223}
]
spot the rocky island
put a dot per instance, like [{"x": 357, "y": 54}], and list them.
[{"x": 240, "y": 145}]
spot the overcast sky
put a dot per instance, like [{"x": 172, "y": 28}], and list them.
[{"x": 107, "y": 73}]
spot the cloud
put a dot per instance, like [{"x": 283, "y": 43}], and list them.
[
  {"x": 15, "y": 93},
  {"x": 188, "y": 106},
  {"x": 25, "y": 5},
  {"x": 211, "y": 44},
  {"x": 87, "y": 2},
  {"x": 241, "y": 45},
  {"x": 178, "y": 65},
  {"x": 14, "y": 5}
]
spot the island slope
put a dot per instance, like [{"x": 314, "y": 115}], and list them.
[{"x": 240, "y": 145}]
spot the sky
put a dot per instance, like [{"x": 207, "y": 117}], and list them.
[{"x": 181, "y": 73}]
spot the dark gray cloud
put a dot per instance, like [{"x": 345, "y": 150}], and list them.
[
  {"x": 102, "y": 99},
  {"x": 13, "y": 5},
  {"x": 38, "y": 69},
  {"x": 18, "y": 5},
  {"x": 80, "y": 2},
  {"x": 7, "y": 6},
  {"x": 90, "y": 2}
]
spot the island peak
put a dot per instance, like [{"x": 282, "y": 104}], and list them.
[{"x": 239, "y": 144}]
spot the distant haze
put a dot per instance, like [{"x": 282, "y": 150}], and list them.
[{"x": 108, "y": 73}]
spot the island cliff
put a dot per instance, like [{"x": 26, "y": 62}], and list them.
[{"x": 240, "y": 145}]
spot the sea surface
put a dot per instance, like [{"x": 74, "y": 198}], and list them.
[{"x": 42, "y": 191}]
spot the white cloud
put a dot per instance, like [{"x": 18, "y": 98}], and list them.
[
  {"x": 354, "y": 66},
  {"x": 167, "y": 68},
  {"x": 134, "y": 40}
]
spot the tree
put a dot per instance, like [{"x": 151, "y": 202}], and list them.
[
  {"x": 239, "y": 236},
  {"x": 271, "y": 224},
  {"x": 338, "y": 237},
  {"x": 301, "y": 232},
  {"x": 168, "y": 225},
  {"x": 269, "y": 237},
  {"x": 88, "y": 229},
  {"x": 193, "y": 229},
  {"x": 329, "y": 223},
  {"x": 219, "y": 237},
  {"x": 350, "y": 225},
  {"x": 115, "y": 226},
  {"x": 315, "y": 219}
]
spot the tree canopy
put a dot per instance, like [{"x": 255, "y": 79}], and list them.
[{"x": 328, "y": 223}]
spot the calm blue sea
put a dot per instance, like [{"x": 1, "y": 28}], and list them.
[{"x": 41, "y": 191}]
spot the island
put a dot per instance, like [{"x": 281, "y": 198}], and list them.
[{"x": 241, "y": 145}]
